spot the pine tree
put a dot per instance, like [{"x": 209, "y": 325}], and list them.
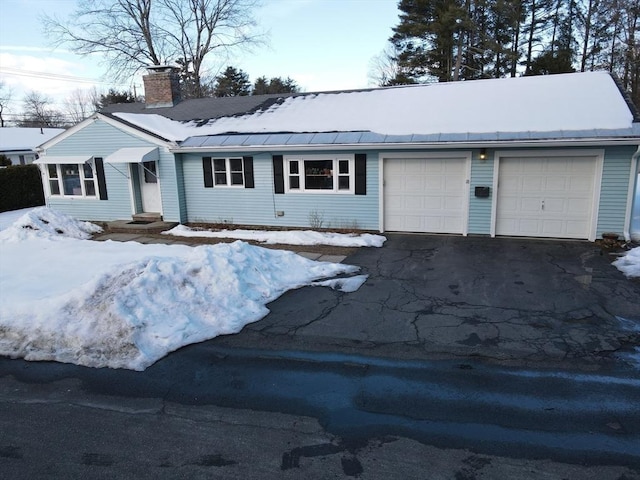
[
  {"x": 232, "y": 83},
  {"x": 428, "y": 38},
  {"x": 262, "y": 86}
]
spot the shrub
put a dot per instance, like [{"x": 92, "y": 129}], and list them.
[{"x": 20, "y": 187}]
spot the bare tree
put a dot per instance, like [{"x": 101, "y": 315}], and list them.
[
  {"x": 80, "y": 104},
  {"x": 38, "y": 112},
  {"x": 5, "y": 99},
  {"x": 384, "y": 69},
  {"x": 132, "y": 34}
]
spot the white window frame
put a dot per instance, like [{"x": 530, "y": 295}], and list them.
[
  {"x": 301, "y": 159},
  {"x": 83, "y": 179},
  {"x": 227, "y": 171}
]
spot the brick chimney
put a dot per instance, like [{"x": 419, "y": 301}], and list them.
[{"x": 161, "y": 86}]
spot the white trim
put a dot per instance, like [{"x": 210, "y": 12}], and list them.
[
  {"x": 551, "y": 143},
  {"x": 633, "y": 175},
  {"x": 380, "y": 193},
  {"x": 227, "y": 172},
  {"x": 133, "y": 155},
  {"x": 60, "y": 180},
  {"x": 58, "y": 160},
  {"x": 335, "y": 159},
  {"x": 134, "y": 131},
  {"x": 114, "y": 123},
  {"x": 597, "y": 154},
  {"x": 466, "y": 155}
]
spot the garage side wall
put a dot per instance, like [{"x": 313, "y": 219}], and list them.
[
  {"x": 614, "y": 190},
  {"x": 480, "y": 207}
]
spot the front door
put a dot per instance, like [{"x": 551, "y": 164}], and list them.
[{"x": 149, "y": 187}]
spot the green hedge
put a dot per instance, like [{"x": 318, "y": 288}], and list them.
[{"x": 20, "y": 187}]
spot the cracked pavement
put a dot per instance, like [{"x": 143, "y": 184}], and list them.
[{"x": 520, "y": 302}]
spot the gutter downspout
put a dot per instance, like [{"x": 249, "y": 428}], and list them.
[{"x": 632, "y": 192}]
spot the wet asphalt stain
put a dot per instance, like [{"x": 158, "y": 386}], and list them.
[
  {"x": 214, "y": 460},
  {"x": 10, "y": 451},
  {"x": 291, "y": 459},
  {"x": 97, "y": 459},
  {"x": 351, "y": 466},
  {"x": 474, "y": 340},
  {"x": 473, "y": 465}
]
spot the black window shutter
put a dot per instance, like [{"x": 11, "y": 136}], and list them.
[
  {"x": 278, "y": 173},
  {"x": 248, "y": 172},
  {"x": 102, "y": 181},
  {"x": 361, "y": 174},
  {"x": 208, "y": 172}
]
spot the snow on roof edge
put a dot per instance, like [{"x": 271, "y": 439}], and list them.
[{"x": 563, "y": 102}]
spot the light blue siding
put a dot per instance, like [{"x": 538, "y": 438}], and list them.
[
  {"x": 259, "y": 205},
  {"x": 480, "y": 208},
  {"x": 100, "y": 139},
  {"x": 615, "y": 189}
]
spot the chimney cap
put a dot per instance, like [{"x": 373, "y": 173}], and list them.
[{"x": 162, "y": 69}]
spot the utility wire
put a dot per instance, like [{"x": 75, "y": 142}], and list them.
[{"x": 54, "y": 76}]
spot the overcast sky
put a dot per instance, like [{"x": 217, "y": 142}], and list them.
[{"x": 322, "y": 44}]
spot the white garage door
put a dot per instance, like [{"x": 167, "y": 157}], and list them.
[
  {"x": 546, "y": 197},
  {"x": 425, "y": 195}
]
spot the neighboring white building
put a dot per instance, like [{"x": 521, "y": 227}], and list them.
[{"x": 19, "y": 144}]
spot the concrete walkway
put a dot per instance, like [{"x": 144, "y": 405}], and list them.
[{"x": 173, "y": 240}]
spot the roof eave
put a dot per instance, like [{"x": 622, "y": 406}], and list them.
[{"x": 564, "y": 142}]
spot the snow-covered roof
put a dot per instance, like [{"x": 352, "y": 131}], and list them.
[
  {"x": 503, "y": 108},
  {"x": 18, "y": 138}
]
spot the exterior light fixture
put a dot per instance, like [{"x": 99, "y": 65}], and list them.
[{"x": 483, "y": 154}]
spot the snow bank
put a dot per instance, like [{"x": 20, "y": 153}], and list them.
[
  {"x": 126, "y": 305},
  {"x": 630, "y": 263},
  {"x": 42, "y": 222},
  {"x": 291, "y": 237}
]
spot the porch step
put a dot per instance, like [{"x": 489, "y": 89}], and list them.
[
  {"x": 145, "y": 226},
  {"x": 147, "y": 217}
]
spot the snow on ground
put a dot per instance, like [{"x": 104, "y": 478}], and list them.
[
  {"x": 126, "y": 305},
  {"x": 630, "y": 263},
  {"x": 8, "y": 218},
  {"x": 290, "y": 237}
]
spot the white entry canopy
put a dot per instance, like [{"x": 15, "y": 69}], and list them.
[
  {"x": 71, "y": 159},
  {"x": 133, "y": 155}
]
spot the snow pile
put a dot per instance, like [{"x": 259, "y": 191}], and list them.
[
  {"x": 291, "y": 237},
  {"x": 42, "y": 222},
  {"x": 126, "y": 305},
  {"x": 630, "y": 263},
  {"x": 575, "y": 101}
]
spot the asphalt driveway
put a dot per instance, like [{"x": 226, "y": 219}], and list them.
[{"x": 514, "y": 301}]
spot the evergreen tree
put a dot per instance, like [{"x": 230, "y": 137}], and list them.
[
  {"x": 558, "y": 56},
  {"x": 114, "y": 96},
  {"x": 262, "y": 86},
  {"x": 428, "y": 38},
  {"x": 232, "y": 83}
]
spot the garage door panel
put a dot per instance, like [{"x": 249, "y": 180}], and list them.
[
  {"x": 554, "y": 199},
  {"x": 530, "y": 205},
  {"x": 556, "y": 183},
  {"x": 532, "y": 184},
  {"x": 433, "y": 190},
  {"x": 555, "y": 205},
  {"x": 433, "y": 185},
  {"x": 414, "y": 184},
  {"x": 580, "y": 185},
  {"x": 575, "y": 228}
]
